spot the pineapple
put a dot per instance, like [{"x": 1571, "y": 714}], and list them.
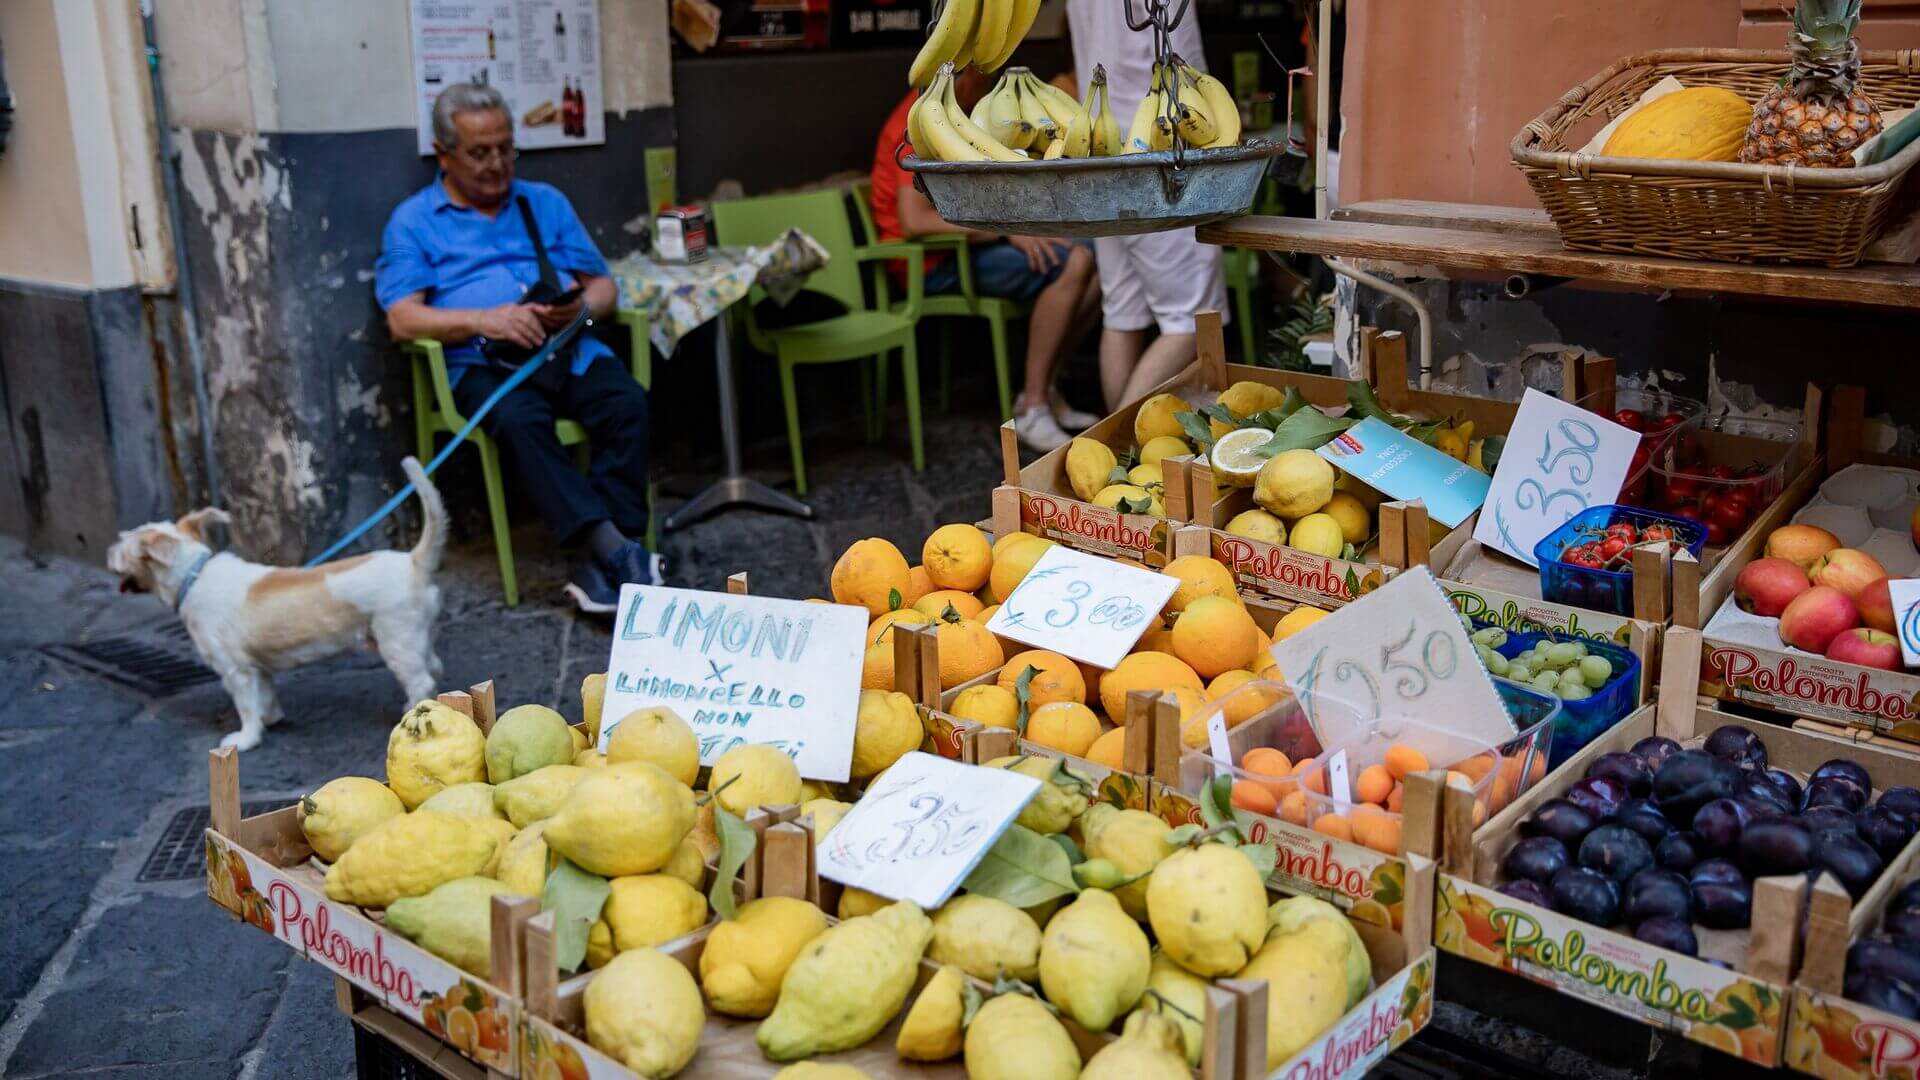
[{"x": 1818, "y": 115}]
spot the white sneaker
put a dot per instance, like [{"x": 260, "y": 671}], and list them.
[
  {"x": 1069, "y": 417},
  {"x": 1039, "y": 431}
]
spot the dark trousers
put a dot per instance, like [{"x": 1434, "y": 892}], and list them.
[{"x": 613, "y": 409}]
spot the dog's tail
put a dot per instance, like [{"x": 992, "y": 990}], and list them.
[{"x": 433, "y": 532}]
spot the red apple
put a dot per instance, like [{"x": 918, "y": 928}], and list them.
[
  {"x": 1802, "y": 544},
  {"x": 1876, "y": 605},
  {"x": 1814, "y": 618},
  {"x": 1766, "y": 586},
  {"x": 1866, "y": 647},
  {"x": 1847, "y": 570}
]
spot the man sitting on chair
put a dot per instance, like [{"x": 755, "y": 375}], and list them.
[{"x": 463, "y": 261}]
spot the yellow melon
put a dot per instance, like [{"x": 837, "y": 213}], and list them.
[{"x": 1702, "y": 123}]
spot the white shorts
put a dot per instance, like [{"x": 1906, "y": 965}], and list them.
[{"x": 1159, "y": 278}]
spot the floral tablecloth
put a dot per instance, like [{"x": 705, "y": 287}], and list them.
[{"x": 679, "y": 297}]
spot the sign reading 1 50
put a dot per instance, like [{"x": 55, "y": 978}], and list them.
[{"x": 1408, "y": 668}]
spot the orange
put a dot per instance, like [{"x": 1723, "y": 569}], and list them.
[
  {"x": 967, "y": 651},
  {"x": 1404, "y": 761},
  {"x": 1109, "y": 749},
  {"x": 1158, "y": 639},
  {"x": 1003, "y": 543},
  {"x": 1011, "y": 564},
  {"x": 1066, "y": 726},
  {"x": 877, "y": 631},
  {"x": 873, "y": 574},
  {"x": 1297, "y": 620},
  {"x": 1199, "y": 576},
  {"x": 876, "y": 666},
  {"x": 1293, "y": 807},
  {"x": 935, "y": 604},
  {"x": 1374, "y": 784},
  {"x": 1254, "y": 798},
  {"x": 1334, "y": 825},
  {"x": 957, "y": 556},
  {"x": 1215, "y": 635},
  {"x": 1089, "y": 675},
  {"x": 1056, "y": 678},
  {"x": 1143, "y": 671},
  {"x": 918, "y": 585}
]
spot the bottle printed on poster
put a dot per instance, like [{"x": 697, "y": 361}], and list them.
[{"x": 542, "y": 55}]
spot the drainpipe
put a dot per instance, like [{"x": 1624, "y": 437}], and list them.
[{"x": 183, "y": 278}]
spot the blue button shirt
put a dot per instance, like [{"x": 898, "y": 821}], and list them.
[{"x": 463, "y": 259}]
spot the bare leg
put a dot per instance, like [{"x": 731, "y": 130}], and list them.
[
  {"x": 1047, "y": 328},
  {"x": 1166, "y": 357},
  {"x": 1119, "y": 352}
]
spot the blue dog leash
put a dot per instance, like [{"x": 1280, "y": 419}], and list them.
[{"x": 554, "y": 344}]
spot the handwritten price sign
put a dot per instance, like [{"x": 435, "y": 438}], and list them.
[
  {"x": 922, "y": 827},
  {"x": 1560, "y": 459},
  {"x": 1399, "y": 651},
  {"x": 1083, "y": 606}
]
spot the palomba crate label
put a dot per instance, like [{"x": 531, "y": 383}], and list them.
[
  {"x": 1370, "y": 1031},
  {"x": 1520, "y": 614},
  {"x": 1293, "y": 574},
  {"x": 1832, "y": 1037},
  {"x": 1095, "y": 528},
  {"x": 1710, "y": 1005},
  {"x": 1811, "y": 686}
]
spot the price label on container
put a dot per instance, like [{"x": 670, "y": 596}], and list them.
[
  {"x": 922, "y": 827},
  {"x": 1905, "y": 593},
  {"x": 1083, "y": 606},
  {"x": 1399, "y": 651},
  {"x": 1560, "y": 459},
  {"x": 741, "y": 669}
]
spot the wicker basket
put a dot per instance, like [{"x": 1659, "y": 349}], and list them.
[{"x": 1709, "y": 209}]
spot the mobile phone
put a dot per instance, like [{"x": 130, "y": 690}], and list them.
[{"x": 567, "y": 297}]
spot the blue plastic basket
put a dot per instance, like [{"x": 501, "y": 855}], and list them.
[
  {"x": 1602, "y": 590},
  {"x": 1579, "y": 722}
]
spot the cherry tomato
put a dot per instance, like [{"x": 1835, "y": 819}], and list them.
[
  {"x": 1669, "y": 422},
  {"x": 1732, "y": 517},
  {"x": 1633, "y": 419},
  {"x": 1720, "y": 472},
  {"x": 1611, "y": 548},
  {"x": 1657, "y": 532},
  {"x": 1624, "y": 530},
  {"x": 1682, "y": 488},
  {"x": 1582, "y": 556},
  {"x": 1718, "y": 534}
]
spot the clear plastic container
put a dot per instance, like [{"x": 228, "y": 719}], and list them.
[
  {"x": 1601, "y": 589},
  {"x": 1280, "y": 763},
  {"x": 1658, "y": 415},
  {"x": 1582, "y": 720},
  {"x": 1722, "y": 471}
]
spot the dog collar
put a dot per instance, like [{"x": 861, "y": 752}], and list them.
[{"x": 192, "y": 575}]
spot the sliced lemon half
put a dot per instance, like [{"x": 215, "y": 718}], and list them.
[{"x": 1234, "y": 460}]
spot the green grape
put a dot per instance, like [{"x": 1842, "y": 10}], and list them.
[
  {"x": 1595, "y": 671},
  {"x": 1546, "y": 682},
  {"x": 1519, "y": 671},
  {"x": 1564, "y": 653},
  {"x": 1497, "y": 664},
  {"x": 1573, "y": 692},
  {"x": 1491, "y": 636}
]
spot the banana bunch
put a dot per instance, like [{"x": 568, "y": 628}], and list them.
[
  {"x": 1023, "y": 113},
  {"x": 981, "y": 32},
  {"x": 940, "y": 129},
  {"x": 1186, "y": 101}
]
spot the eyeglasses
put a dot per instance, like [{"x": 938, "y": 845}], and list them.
[{"x": 483, "y": 155}]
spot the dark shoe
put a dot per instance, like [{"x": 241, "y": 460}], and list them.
[
  {"x": 591, "y": 591},
  {"x": 634, "y": 564}
]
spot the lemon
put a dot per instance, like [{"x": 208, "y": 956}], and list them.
[
  {"x": 622, "y": 820},
  {"x": 1159, "y": 415},
  {"x": 535, "y": 796},
  {"x": 1449, "y": 442},
  {"x": 1138, "y": 499},
  {"x": 410, "y": 855},
  {"x": 1135, "y": 842},
  {"x": 1318, "y": 534},
  {"x": 688, "y": 864},
  {"x": 647, "y": 909},
  {"x": 1062, "y": 796},
  {"x": 1305, "y": 972},
  {"x": 659, "y": 736},
  {"x": 453, "y": 922},
  {"x": 433, "y": 747},
  {"x": 1369, "y": 496},
  {"x": 503, "y": 833},
  {"x": 1014, "y": 1037},
  {"x": 1094, "y": 960},
  {"x": 1150, "y": 1047},
  {"x": 1245, "y": 398},
  {"x": 857, "y": 902},
  {"x": 826, "y": 813},
  {"x": 1161, "y": 447},
  {"x": 814, "y": 1070},
  {"x": 986, "y": 938},
  {"x": 593, "y": 692},
  {"x": 1290, "y": 915},
  {"x": 887, "y": 729},
  {"x": 847, "y": 984},
  {"x": 643, "y": 1010},
  {"x": 1208, "y": 908},
  {"x": 746, "y": 956},
  {"x": 1147, "y": 475},
  {"x": 988, "y": 705},
  {"x": 1294, "y": 483},
  {"x": 524, "y": 865},
  {"x": 1297, "y": 620},
  {"x": 1257, "y": 524},
  {"x": 754, "y": 774},
  {"x": 1356, "y": 523},
  {"x": 468, "y": 800},
  {"x": 1182, "y": 998},
  {"x": 343, "y": 810},
  {"x": 931, "y": 1030},
  {"x": 1090, "y": 465},
  {"x": 526, "y": 738},
  {"x": 590, "y": 759},
  {"x": 1233, "y": 457}
]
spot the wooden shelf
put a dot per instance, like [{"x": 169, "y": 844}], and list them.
[{"x": 1507, "y": 241}]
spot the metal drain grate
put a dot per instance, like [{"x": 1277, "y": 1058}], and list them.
[
  {"x": 156, "y": 665},
  {"x": 181, "y": 855}
]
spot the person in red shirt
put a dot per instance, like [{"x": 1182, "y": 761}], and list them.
[{"x": 1057, "y": 275}]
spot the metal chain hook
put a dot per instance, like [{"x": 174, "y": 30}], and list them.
[{"x": 1157, "y": 19}]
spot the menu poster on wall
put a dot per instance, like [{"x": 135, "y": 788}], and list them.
[{"x": 542, "y": 55}]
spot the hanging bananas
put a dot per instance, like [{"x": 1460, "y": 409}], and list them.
[
  {"x": 941, "y": 130},
  {"x": 983, "y": 32},
  {"x": 1106, "y": 129},
  {"x": 1184, "y": 99},
  {"x": 1022, "y": 113}
]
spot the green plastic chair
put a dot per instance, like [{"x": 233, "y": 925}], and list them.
[
  {"x": 861, "y": 333},
  {"x": 1240, "y": 267},
  {"x": 966, "y": 303},
  {"x": 434, "y": 413}
]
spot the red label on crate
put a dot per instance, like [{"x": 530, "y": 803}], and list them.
[
  {"x": 1294, "y": 574},
  {"x": 1093, "y": 528},
  {"x": 1827, "y": 689}
]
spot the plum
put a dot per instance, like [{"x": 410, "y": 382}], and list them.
[
  {"x": 1719, "y": 824},
  {"x": 1835, "y": 791},
  {"x": 1881, "y": 992},
  {"x": 1629, "y": 769},
  {"x": 1756, "y": 791},
  {"x": 1562, "y": 820},
  {"x": 1849, "y": 859},
  {"x": 1615, "y": 851},
  {"x": 1530, "y": 891},
  {"x": 1643, "y": 817},
  {"x": 1904, "y": 924},
  {"x": 1691, "y": 779},
  {"x": 1587, "y": 895},
  {"x": 1656, "y": 894},
  {"x": 1731, "y": 742},
  {"x": 1846, "y": 769},
  {"x": 1903, "y": 800},
  {"x": 1655, "y": 749},
  {"x": 1824, "y": 819},
  {"x": 1788, "y": 786},
  {"x": 1885, "y": 831},
  {"x": 1719, "y": 871},
  {"x": 1537, "y": 858},
  {"x": 1887, "y": 956},
  {"x": 1907, "y": 895},
  {"x": 1722, "y": 905},
  {"x": 1672, "y": 934},
  {"x": 1598, "y": 795},
  {"x": 1768, "y": 848},
  {"x": 1677, "y": 851}
]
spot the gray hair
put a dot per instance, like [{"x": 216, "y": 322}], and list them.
[{"x": 464, "y": 97}]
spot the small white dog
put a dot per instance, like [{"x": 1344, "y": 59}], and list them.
[{"x": 249, "y": 621}]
